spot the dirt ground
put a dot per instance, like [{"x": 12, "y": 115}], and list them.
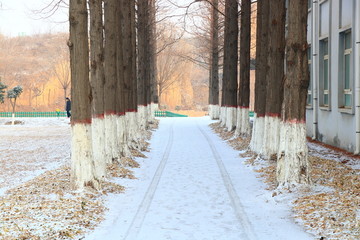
[{"x": 192, "y": 113}]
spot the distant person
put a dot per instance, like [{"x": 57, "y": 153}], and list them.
[{"x": 68, "y": 107}]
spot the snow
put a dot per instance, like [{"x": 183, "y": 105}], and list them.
[
  {"x": 194, "y": 186},
  {"x": 28, "y": 150}
]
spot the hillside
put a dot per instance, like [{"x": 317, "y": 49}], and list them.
[{"x": 31, "y": 61}]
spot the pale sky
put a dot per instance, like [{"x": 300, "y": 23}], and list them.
[{"x": 18, "y": 17}]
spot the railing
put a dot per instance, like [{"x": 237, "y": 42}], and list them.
[
  {"x": 34, "y": 114},
  {"x": 63, "y": 114},
  {"x": 168, "y": 114}
]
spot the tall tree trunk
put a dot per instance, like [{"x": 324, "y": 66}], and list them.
[
  {"x": 153, "y": 59},
  {"x": 97, "y": 81},
  {"x": 143, "y": 66},
  {"x": 230, "y": 62},
  {"x": 124, "y": 75},
  {"x": 82, "y": 167},
  {"x": 110, "y": 67},
  {"x": 293, "y": 166},
  {"x": 275, "y": 77},
  {"x": 132, "y": 111},
  {"x": 214, "y": 110},
  {"x": 243, "y": 121},
  {"x": 262, "y": 42},
  {"x": 134, "y": 52}
]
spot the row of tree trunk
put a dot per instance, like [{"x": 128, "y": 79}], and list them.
[
  {"x": 278, "y": 130},
  {"x": 114, "y": 92}
]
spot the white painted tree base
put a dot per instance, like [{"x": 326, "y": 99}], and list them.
[
  {"x": 257, "y": 136},
  {"x": 153, "y": 107},
  {"x": 271, "y": 137},
  {"x": 82, "y": 165},
  {"x": 122, "y": 143},
  {"x": 242, "y": 122},
  {"x": 98, "y": 146},
  {"x": 110, "y": 139},
  {"x": 230, "y": 118},
  {"x": 214, "y": 112},
  {"x": 142, "y": 117},
  {"x": 133, "y": 132},
  {"x": 222, "y": 116},
  {"x": 292, "y": 164}
]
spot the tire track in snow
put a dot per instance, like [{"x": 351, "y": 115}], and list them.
[
  {"x": 143, "y": 209},
  {"x": 235, "y": 201}
]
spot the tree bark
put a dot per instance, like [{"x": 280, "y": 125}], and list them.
[
  {"x": 230, "y": 63},
  {"x": 275, "y": 77},
  {"x": 262, "y": 42},
  {"x": 293, "y": 166},
  {"x": 214, "y": 110},
  {"x": 82, "y": 172},
  {"x": 132, "y": 112},
  {"x": 124, "y": 75},
  {"x": 110, "y": 67},
  {"x": 153, "y": 59},
  {"x": 97, "y": 81},
  {"x": 243, "y": 121},
  {"x": 143, "y": 66}
]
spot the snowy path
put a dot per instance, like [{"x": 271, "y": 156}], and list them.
[{"x": 193, "y": 186}]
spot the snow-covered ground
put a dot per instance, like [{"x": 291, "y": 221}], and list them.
[
  {"x": 27, "y": 150},
  {"x": 194, "y": 186}
]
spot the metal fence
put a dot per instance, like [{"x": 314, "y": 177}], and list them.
[
  {"x": 34, "y": 114},
  {"x": 168, "y": 114}
]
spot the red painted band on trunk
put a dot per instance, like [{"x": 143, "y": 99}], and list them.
[
  {"x": 83, "y": 121},
  {"x": 132, "y": 110},
  {"x": 230, "y": 106},
  {"x": 295, "y": 121},
  {"x": 242, "y": 107},
  {"x": 260, "y": 115},
  {"x": 99, "y": 116},
  {"x": 120, "y": 114},
  {"x": 275, "y": 115},
  {"x": 110, "y": 112}
]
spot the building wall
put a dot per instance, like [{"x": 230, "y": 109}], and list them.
[{"x": 333, "y": 102}]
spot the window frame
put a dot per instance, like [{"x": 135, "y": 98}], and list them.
[
  {"x": 343, "y": 53},
  {"x": 322, "y": 91}
]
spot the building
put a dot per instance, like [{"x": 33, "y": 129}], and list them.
[{"x": 333, "y": 105}]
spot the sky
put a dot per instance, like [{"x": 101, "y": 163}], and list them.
[{"x": 18, "y": 18}]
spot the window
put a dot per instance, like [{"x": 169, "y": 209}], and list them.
[
  {"x": 345, "y": 67},
  {"x": 324, "y": 73},
  {"x": 309, "y": 92},
  {"x": 345, "y": 13},
  {"x": 309, "y": 54},
  {"x": 324, "y": 18}
]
